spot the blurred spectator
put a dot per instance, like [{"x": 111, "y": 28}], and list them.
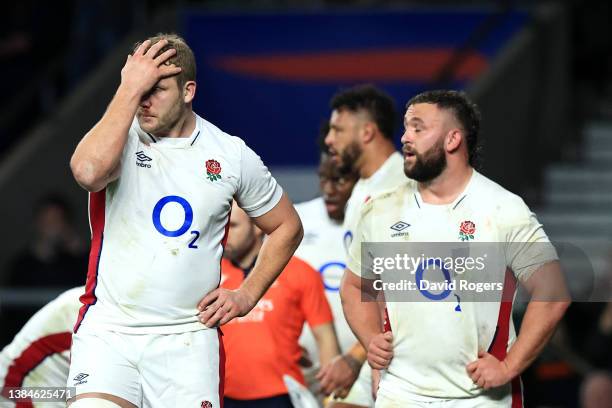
[
  {"x": 596, "y": 389},
  {"x": 262, "y": 346},
  {"x": 56, "y": 254}
]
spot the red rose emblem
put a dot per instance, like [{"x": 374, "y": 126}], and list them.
[
  {"x": 213, "y": 167},
  {"x": 468, "y": 227},
  {"x": 206, "y": 404}
]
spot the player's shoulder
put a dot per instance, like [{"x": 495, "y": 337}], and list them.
[
  {"x": 390, "y": 199},
  {"x": 390, "y": 175},
  {"x": 506, "y": 204},
  {"x": 70, "y": 295},
  {"x": 215, "y": 138},
  {"x": 310, "y": 207}
]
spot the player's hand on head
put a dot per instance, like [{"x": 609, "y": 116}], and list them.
[
  {"x": 488, "y": 372},
  {"x": 222, "y": 305},
  {"x": 338, "y": 375},
  {"x": 380, "y": 350},
  {"x": 145, "y": 68}
]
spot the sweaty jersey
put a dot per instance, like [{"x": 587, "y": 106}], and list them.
[
  {"x": 434, "y": 338},
  {"x": 39, "y": 355},
  {"x": 389, "y": 176},
  {"x": 158, "y": 230},
  {"x": 322, "y": 248},
  {"x": 262, "y": 346}
]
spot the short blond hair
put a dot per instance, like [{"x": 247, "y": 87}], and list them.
[{"x": 183, "y": 58}]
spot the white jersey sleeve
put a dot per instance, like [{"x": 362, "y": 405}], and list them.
[
  {"x": 528, "y": 247},
  {"x": 258, "y": 191}
]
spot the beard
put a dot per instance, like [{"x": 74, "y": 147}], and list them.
[
  {"x": 163, "y": 123},
  {"x": 349, "y": 158},
  {"x": 427, "y": 166}
]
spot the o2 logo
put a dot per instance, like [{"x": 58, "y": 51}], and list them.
[
  {"x": 419, "y": 277},
  {"x": 329, "y": 267},
  {"x": 157, "y": 210}
]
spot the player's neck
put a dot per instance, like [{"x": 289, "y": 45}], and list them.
[
  {"x": 184, "y": 127},
  {"x": 374, "y": 157},
  {"x": 445, "y": 188}
]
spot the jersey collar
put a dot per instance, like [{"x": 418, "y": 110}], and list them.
[{"x": 455, "y": 204}]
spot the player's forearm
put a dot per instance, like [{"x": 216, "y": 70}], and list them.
[
  {"x": 539, "y": 323},
  {"x": 274, "y": 255},
  {"x": 327, "y": 342},
  {"x": 363, "y": 317},
  {"x": 99, "y": 152},
  {"x": 358, "y": 353}
]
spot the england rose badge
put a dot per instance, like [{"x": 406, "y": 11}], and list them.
[
  {"x": 213, "y": 170},
  {"x": 467, "y": 230}
]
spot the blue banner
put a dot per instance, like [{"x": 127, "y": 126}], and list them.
[{"x": 268, "y": 78}]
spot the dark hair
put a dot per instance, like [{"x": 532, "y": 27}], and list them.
[
  {"x": 465, "y": 111},
  {"x": 378, "y": 104}
]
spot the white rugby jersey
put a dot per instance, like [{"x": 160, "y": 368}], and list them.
[
  {"x": 388, "y": 176},
  {"x": 158, "y": 230},
  {"x": 322, "y": 248},
  {"x": 39, "y": 355},
  {"x": 434, "y": 340}
]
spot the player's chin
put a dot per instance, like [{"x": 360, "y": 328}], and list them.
[
  {"x": 148, "y": 123},
  {"x": 334, "y": 211},
  {"x": 335, "y": 158}
]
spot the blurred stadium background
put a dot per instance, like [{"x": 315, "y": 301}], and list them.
[{"x": 540, "y": 71}]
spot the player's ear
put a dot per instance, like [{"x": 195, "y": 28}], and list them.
[
  {"x": 453, "y": 140},
  {"x": 189, "y": 91},
  {"x": 369, "y": 130}
]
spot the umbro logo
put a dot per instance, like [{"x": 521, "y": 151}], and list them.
[
  {"x": 80, "y": 379},
  {"x": 399, "y": 226},
  {"x": 142, "y": 158}
]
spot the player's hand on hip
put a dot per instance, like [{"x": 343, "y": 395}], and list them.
[
  {"x": 380, "y": 350},
  {"x": 222, "y": 305},
  {"x": 488, "y": 372},
  {"x": 338, "y": 375},
  {"x": 143, "y": 70}
]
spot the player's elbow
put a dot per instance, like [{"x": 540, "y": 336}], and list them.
[
  {"x": 295, "y": 230},
  {"x": 84, "y": 174},
  {"x": 346, "y": 288},
  {"x": 558, "y": 309}
]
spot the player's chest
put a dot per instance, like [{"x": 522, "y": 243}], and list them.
[
  {"x": 439, "y": 225},
  {"x": 206, "y": 177}
]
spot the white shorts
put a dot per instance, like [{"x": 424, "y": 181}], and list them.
[
  {"x": 150, "y": 370},
  {"x": 361, "y": 391},
  {"x": 503, "y": 397}
]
